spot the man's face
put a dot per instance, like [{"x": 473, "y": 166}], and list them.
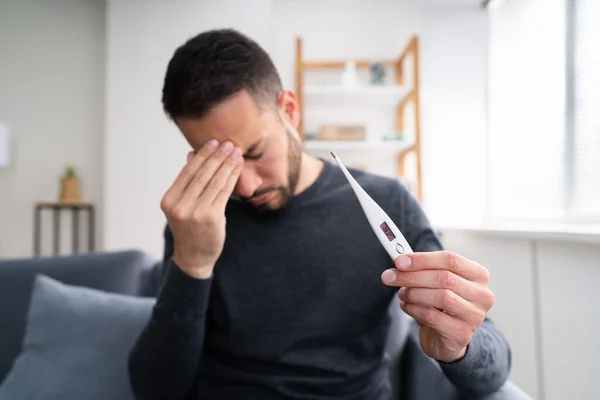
[{"x": 271, "y": 149}]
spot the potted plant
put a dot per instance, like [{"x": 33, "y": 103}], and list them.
[{"x": 69, "y": 186}]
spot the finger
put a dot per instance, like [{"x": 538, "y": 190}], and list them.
[
  {"x": 445, "y": 324},
  {"x": 437, "y": 279},
  {"x": 445, "y": 260},
  {"x": 219, "y": 179},
  {"x": 171, "y": 202},
  {"x": 205, "y": 174},
  {"x": 223, "y": 196},
  {"x": 188, "y": 172},
  {"x": 444, "y": 300}
]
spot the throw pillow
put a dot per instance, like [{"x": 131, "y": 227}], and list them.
[{"x": 76, "y": 344}]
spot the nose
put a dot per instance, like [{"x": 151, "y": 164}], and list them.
[{"x": 248, "y": 182}]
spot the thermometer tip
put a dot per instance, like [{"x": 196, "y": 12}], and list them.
[{"x": 333, "y": 154}]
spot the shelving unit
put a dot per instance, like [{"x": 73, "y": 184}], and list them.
[{"x": 397, "y": 98}]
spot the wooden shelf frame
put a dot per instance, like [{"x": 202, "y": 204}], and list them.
[{"x": 411, "y": 50}]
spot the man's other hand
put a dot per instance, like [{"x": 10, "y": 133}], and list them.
[{"x": 447, "y": 295}]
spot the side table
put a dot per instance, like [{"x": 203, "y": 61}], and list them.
[{"x": 56, "y": 208}]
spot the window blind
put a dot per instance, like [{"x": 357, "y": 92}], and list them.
[{"x": 586, "y": 109}]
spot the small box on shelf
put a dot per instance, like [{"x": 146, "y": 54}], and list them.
[{"x": 341, "y": 132}]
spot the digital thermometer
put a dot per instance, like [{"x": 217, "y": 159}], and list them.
[{"x": 386, "y": 231}]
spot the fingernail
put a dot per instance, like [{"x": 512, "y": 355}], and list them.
[
  {"x": 401, "y": 292},
  {"x": 236, "y": 152},
  {"x": 388, "y": 276},
  {"x": 212, "y": 144},
  {"x": 226, "y": 147},
  {"x": 403, "y": 262}
]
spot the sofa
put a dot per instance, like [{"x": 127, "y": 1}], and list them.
[{"x": 67, "y": 322}]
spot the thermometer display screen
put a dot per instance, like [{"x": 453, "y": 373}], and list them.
[{"x": 388, "y": 232}]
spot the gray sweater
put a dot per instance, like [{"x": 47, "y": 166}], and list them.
[{"x": 295, "y": 308}]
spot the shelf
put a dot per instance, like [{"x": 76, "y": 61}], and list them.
[
  {"x": 361, "y": 96},
  {"x": 328, "y": 145}
]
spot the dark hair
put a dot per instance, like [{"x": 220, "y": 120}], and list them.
[{"x": 214, "y": 65}]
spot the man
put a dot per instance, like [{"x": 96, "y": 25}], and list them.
[{"x": 275, "y": 286}]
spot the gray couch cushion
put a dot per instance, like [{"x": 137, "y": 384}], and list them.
[
  {"x": 120, "y": 271},
  {"x": 76, "y": 344}
]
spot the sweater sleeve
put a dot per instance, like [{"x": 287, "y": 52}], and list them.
[
  {"x": 486, "y": 364},
  {"x": 165, "y": 357}
]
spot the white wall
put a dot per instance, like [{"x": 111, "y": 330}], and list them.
[
  {"x": 453, "y": 102},
  {"x": 546, "y": 304},
  {"x": 569, "y": 319},
  {"x": 51, "y": 97}
]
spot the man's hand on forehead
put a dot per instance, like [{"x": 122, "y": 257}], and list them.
[
  {"x": 247, "y": 151},
  {"x": 195, "y": 205}
]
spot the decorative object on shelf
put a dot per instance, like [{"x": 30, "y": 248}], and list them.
[
  {"x": 311, "y": 135},
  {"x": 69, "y": 186},
  {"x": 341, "y": 132},
  {"x": 377, "y": 73},
  {"x": 350, "y": 76},
  {"x": 396, "y": 136}
]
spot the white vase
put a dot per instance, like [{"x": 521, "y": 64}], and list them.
[{"x": 350, "y": 75}]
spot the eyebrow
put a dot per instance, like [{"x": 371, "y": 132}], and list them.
[{"x": 252, "y": 147}]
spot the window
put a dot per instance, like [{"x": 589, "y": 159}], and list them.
[
  {"x": 583, "y": 125},
  {"x": 544, "y": 111},
  {"x": 526, "y": 103}
]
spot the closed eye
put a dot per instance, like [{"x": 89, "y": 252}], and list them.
[
  {"x": 254, "y": 157},
  {"x": 252, "y": 148}
]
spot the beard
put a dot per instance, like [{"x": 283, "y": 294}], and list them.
[{"x": 286, "y": 193}]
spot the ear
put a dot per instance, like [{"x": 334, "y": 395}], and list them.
[{"x": 290, "y": 108}]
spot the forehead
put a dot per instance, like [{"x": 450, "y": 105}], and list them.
[{"x": 237, "y": 119}]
